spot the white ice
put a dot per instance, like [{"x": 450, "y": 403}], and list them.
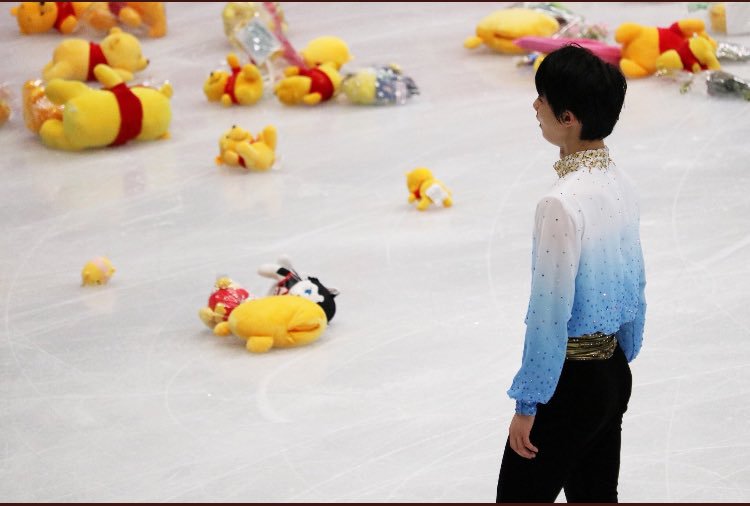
[{"x": 119, "y": 393}]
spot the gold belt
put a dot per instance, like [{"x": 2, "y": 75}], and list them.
[{"x": 597, "y": 346}]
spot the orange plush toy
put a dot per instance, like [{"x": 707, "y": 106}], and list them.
[
  {"x": 684, "y": 45},
  {"x": 40, "y": 17},
  {"x": 149, "y": 18}
]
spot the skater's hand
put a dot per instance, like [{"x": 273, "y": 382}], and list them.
[{"x": 518, "y": 433}]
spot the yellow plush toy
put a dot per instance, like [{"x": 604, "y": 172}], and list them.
[
  {"x": 97, "y": 272},
  {"x": 40, "y": 17},
  {"x": 147, "y": 17},
  {"x": 326, "y": 50},
  {"x": 423, "y": 187},
  {"x": 238, "y": 148},
  {"x": 684, "y": 45},
  {"x": 109, "y": 117},
  {"x": 278, "y": 321},
  {"x": 75, "y": 59},
  {"x": 499, "y": 29},
  {"x": 308, "y": 86},
  {"x": 243, "y": 86}
]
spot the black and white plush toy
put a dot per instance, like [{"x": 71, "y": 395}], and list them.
[{"x": 289, "y": 282}]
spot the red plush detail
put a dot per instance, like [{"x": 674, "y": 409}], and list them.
[
  {"x": 131, "y": 114},
  {"x": 673, "y": 38},
  {"x": 321, "y": 83},
  {"x": 229, "y": 87},
  {"x": 242, "y": 162},
  {"x": 64, "y": 11},
  {"x": 96, "y": 56},
  {"x": 116, "y": 7},
  {"x": 230, "y": 297},
  {"x": 417, "y": 194}
]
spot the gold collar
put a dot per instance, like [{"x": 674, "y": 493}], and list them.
[{"x": 591, "y": 159}]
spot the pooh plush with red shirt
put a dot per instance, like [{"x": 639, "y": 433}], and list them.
[
  {"x": 75, "y": 59},
  {"x": 40, "y": 17},
  {"x": 93, "y": 118},
  {"x": 683, "y": 46}
]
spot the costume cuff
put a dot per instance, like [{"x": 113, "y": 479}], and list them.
[{"x": 525, "y": 408}]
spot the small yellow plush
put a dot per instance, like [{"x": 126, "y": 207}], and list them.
[
  {"x": 308, "y": 86},
  {"x": 147, "y": 16},
  {"x": 75, "y": 59},
  {"x": 424, "y": 188},
  {"x": 717, "y": 12},
  {"x": 499, "y": 29},
  {"x": 326, "y": 49},
  {"x": 238, "y": 148},
  {"x": 40, "y": 17},
  {"x": 94, "y": 118},
  {"x": 683, "y": 45},
  {"x": 97, "y": 272},
  {"x": 243, "y": 86},
  {"x": 277, "y": 321}
]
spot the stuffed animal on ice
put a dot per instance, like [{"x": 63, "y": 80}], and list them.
[
  {"x": 40, "y": 17},
  {"x": 545, "y": 45},
  {"x": 149, "y": 18},
  {"x": 379, "y": 85},
  {"x": 109, "y": 117},
  {"x": 237, "y": 147},
  {"x": 5, "y": 110},
  {"x": 684, "y": 45},
  {"x": 97, "y": 271},
  {"x": 75, "y": 59},
  {"x": 425, "y": 189},
  {"x": 277, "y": 321},
  {"x": 499, "y": 29},
  {"x": 37, "y": 107},
  {"x": 326, "y": 49},
  {"x": 224, "y": 299},
  {"x": 289, "y": 282},
  {"x": 243, "y": 86},
  {"x": 308, "y": 86}
]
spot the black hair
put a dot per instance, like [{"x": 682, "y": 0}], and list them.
[{"x": 574, "y": 79}]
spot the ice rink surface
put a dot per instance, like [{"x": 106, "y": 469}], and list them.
[{"x": 119, "y": 393}]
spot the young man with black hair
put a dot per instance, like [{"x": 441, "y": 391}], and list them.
[{"x": 587, "y": 307}]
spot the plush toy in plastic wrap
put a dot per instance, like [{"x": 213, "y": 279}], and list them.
[
  {"x": 379, "y": 85},
  {"x": 718, "y": 82},
  {"x": 499, "y": 29},
  {"x": 308, "y": 86},
  {"x": 243, "y": 86},
  {"x": 683, "y": 45},
  {"x": 425, "y": 190},
  {"x": 288, "y": 282},
  {"x": 142, "y": 18},
  {"x": 97, "y": 271},
  {"x": 75, "y": 59},
  {"x": 238, "y": 148},
  {"x": 37, "y": 107},
  {"x": 111, "y": 116},
  {"x": 277, "y": 321},
  {"x": 222, "y": 301},
  {"x": 40, "y": 17},
  {"x": 5, "y": 110}
]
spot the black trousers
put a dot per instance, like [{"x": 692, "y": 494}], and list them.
[{"x": 578, "y": 436}]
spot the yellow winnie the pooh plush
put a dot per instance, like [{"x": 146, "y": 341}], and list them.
[
  {"x": 277, "y": 321},
  {"x": 326, "y": 49},
  {"x": 96, "y": 118},
  {"x": 40, "y": 17},
  {"x": 243, "y": 86},
  {"x": 76, "y": 59},
  {"x": 683, "y": 45},
  {"x": 308, "y": 86},
  {"x": 238, "y": 148},
  {"x": 499, "y": 29},
  {"x": 423, "y": 187}
]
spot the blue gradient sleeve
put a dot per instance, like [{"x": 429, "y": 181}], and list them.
[{"x": 555, "y": 256}]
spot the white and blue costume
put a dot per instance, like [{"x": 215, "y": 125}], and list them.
[{"x": 587, "y": 271}]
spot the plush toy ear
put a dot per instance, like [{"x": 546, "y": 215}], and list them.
[
  {"x": 14, "y": 11},
  {"x": 115, "y": 29}
]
